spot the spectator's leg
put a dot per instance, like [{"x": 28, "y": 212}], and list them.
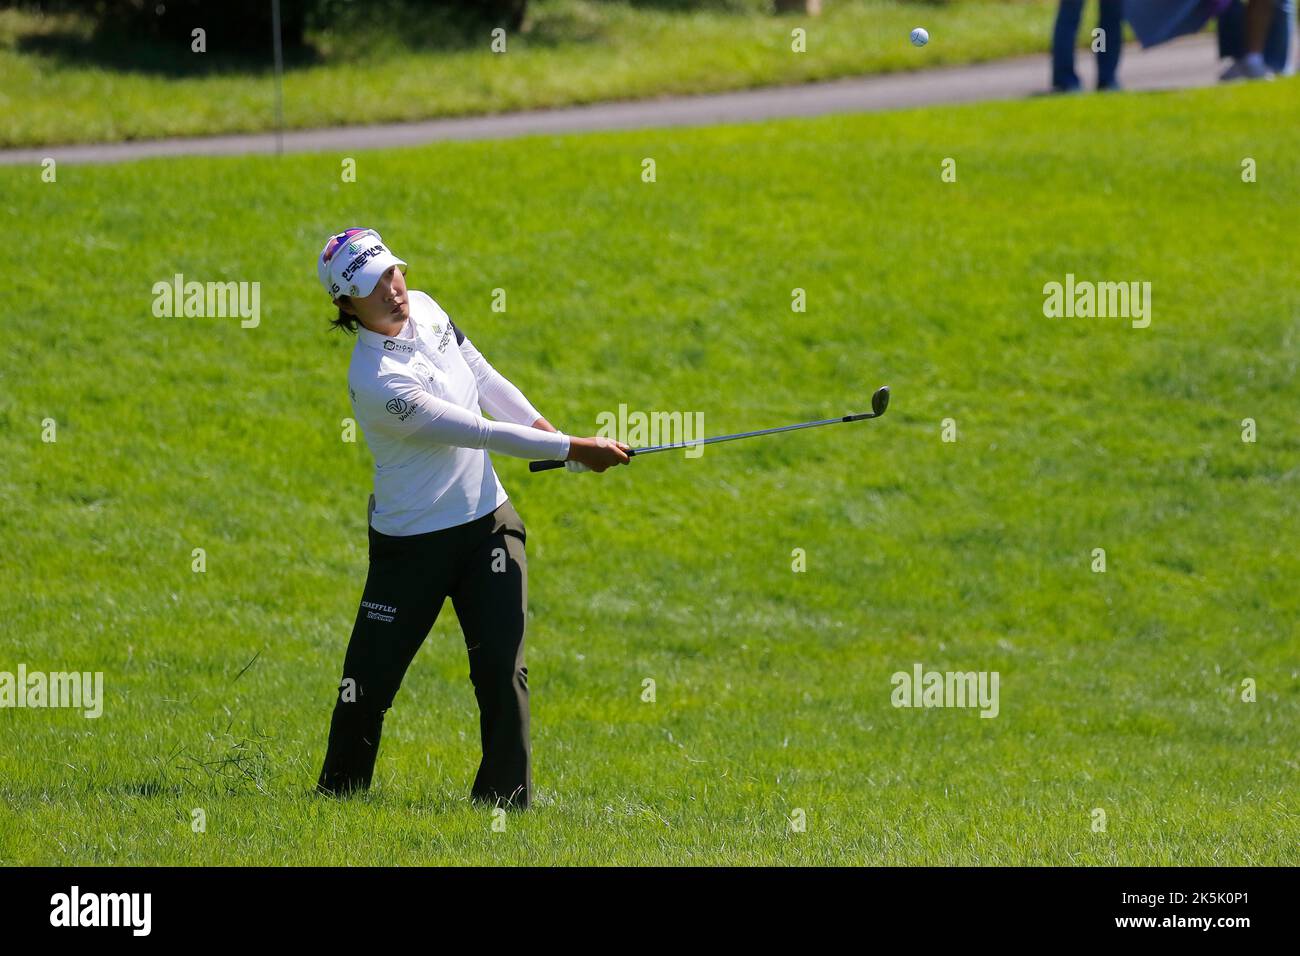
[
  {"x": 1259, "y": 14},
  {"x": 1232, "y": 31},
  {"x": 1064, "y": 37},
  {"x": 1110, "y": 18},
  {"x": 1277, "y": 48}
]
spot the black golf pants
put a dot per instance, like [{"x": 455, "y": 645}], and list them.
[{"x": 481, "y": 566}]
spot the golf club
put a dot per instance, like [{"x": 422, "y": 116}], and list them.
[{"x": 879, "y": 402}]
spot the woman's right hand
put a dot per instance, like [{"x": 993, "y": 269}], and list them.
[{"x": 598, "y": 453}]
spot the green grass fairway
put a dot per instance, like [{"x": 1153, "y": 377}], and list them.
[
  {"x": 1119, "y": 691},
  {"x": 61, "y": 86}
]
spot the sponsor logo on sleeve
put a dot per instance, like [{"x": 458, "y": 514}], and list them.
[{"x": 401, "y": 408}]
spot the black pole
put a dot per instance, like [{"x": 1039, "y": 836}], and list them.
[{"x": 279, "y": 78}]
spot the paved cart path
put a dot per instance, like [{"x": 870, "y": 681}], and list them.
[{"x": 1191, "y": 61}]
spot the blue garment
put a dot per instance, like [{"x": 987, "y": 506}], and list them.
[
  {"x": 1159, "y": 21},
  {"x": 1065, "y": 36}
]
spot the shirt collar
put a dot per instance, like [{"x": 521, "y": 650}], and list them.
[{"x": 402, "y": 344}]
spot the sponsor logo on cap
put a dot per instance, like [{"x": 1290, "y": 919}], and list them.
[{"x": 353, "y": 267}]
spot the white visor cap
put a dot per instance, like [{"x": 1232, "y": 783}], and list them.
[{"x": 352, "y": 262}]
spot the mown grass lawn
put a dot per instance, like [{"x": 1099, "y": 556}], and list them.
[
  {"x": 61, "y": 86},
  {"x": 1119, "y": 691}
]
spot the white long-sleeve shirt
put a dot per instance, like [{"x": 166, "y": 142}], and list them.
[{"x": 417, "y": 397}]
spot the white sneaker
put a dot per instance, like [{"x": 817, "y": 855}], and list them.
[{"x": 1245, "y": 69}]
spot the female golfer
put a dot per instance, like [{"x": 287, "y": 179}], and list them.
[{"x": 440, "y": 523}]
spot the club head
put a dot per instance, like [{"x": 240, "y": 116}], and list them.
[{"x": 880, "y": 401}]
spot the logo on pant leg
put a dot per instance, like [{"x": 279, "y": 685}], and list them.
[{"x": 379, "y": 612}]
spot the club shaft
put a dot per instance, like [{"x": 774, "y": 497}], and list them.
[
  {"x": 762, "y": 431},
  {"x": 879, "y": 403}
]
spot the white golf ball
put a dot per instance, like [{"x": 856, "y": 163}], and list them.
[{"x": 920, "y": 37}]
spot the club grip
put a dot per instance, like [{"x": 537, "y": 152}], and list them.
[{"x": 544, "y": 465}]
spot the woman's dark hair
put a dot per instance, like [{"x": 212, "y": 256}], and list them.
[{"x": 346, "y": 320}]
